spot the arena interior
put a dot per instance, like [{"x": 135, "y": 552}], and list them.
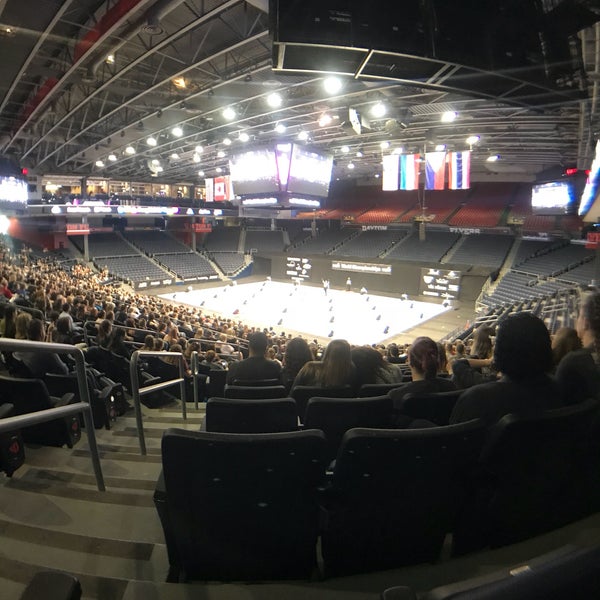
[{"x": 127, "y": 188}]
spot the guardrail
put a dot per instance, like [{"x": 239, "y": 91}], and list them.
[
  {"x": 50, "y": 414},
  {"x": 137, "y": 392}
]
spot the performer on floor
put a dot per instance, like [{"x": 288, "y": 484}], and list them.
[
  {"x": 326, "y": 286},
  {"x": 348, "y": 284}
]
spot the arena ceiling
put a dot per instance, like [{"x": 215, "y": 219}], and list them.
[{"x": 83, "y": 80}]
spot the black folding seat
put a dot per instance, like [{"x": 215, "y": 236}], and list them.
[
  {"x": 31, "y": 395},
  {"x": 368, "y": 390},
  {"x": 335, "y": 416},
  {"x": 240, "y": 506},
  {"x": 235, "y": 415},
  {"x": 394, "y": 495},
  {"x": 254, "y": 392},
  {"x": 435, "y": 407},
  {"x": 303, "y": 393},
  {"x": 527, "y": 478}
]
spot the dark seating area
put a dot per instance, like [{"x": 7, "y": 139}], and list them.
[
  {"x": 487, "y": 250},
  {"x": 432, "y": 249},
  {"x": 370, "y": 244}
]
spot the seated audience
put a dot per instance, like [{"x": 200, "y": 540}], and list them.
[
  {"x": 523, "y": 355},
  {"x": 565, "y": 340},
  {"x": 38, "y": 362},
  {"x": 578, "y": 372},
  {"x": 297, "y": 354},
  {"x": 477, "y": 367},
  {"x": 372, "y": 368}
]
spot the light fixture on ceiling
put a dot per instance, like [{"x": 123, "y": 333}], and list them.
[
  {"x": 229, "y": 114},
  {"x": 219, "y": 170},
  {"x": 280, "y": 128},
  {"x": 174, "y": 156},
  {"x": 151, "y": 141},
  {"x": 248, "y": 78},
  {"x": 198, "y": 149},
  {"x": 152, "y": 26},
  {"x": 448, "y": 117},
  {"x": 110, "y": 59},
  {"x": 332, "y": 85},
  {"x": 200, "y": 173},
  {"x": 359, "y": 154},
  {"x": 140, "y": 125},
  {"x": 345, "y": 149},
  {"x": 440, "y": 147},
  {"x": 179, "y": 82},
  {"x": 177, "y": 131},
  {"x": 325, "y": 120},
  {"x": 100, "y": 163},
  {"x": 221, "y": 154},
  {"x": 384, "y": 145},
  {"x": 155, "y": 162},
  {"x": 378, "y": 110},
  {"x": 493, "y": 158},
  {"x": 351, "y": 166},
  {"x": 274, "y": 100},
  {"x": 227, "y": 141},
  {"x": 130, "y": 150},
  {"x": 112, "y": 157},
  {"x": 303, "y": 135},
  {"x": 196, "y": 157},
  {"x": 159, "y": 113},
  {"x": 243, "y": 137},
  {"x": 472, "y": 140}
]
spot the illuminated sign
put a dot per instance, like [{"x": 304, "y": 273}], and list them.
[
  {"x": 438, "y": 283},
  {"x": 362, "y": 267}
]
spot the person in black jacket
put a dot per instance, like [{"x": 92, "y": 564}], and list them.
[{"x": 256, "y": 366}]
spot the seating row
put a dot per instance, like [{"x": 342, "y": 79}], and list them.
[{"x": 252, "y": 506}]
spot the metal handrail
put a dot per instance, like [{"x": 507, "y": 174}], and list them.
[
  {"x": 43, "y": 416},
  {"x": 137, "y": 392}
]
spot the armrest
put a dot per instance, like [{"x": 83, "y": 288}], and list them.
[
  {"x": 52, "y": 585},
  {"x": 399, "y": 592},
  {"x": 6, "y": 410},
  {"x": 65, "y": 399}
]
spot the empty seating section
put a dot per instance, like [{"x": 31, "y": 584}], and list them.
[
  {"x": 530, "y": 248},
  {"x": 535, "y": 223},
  {"x": 557, "y": 261},
  {"x": 264, "y": 240},
  {"x": 223, "y": 239},
  {"x": 485, "y": 206},
  {"x": 571, "y": 223},
  {"x": 370, "y": 244},
  {"x": 324, "y": 242},
  {"x": 229, "y": 262},
  {"x": 156, "y": 242},
  {"x": 438, "y": 206},
  {"x": 516, "y": 287},
  {"x": 581, "y": 275},
  {"x": 187, "y": 266},
  {"x": 381, "y": 215},
  {"x": 297, "y": 231},
  {"x": 132, "y": 268},
  {"x": 344, "y": 213},
  {"x": 435, "y": 245},
  {"x": 106, "y": 244},
  {"x": 486, "y": 250}
]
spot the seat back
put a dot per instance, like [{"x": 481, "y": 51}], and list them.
[
  {"x": 395, "y": 495},
  {"x": 256, "y": 382},
  {"x": 529, "y": 469},
  {"x": 435, "y": 407},
  {"x": 303, "y": 393},
  {"x": 254, "y": 392},
  {"x": 368, "y": 390},
  {"x": 335, "y": 416},
  {"x": 234, "y": 415},
  {"x": 31, "y": 395},
  {"x": 242, "y": 506},
  {"x": 12, "y": 451}
]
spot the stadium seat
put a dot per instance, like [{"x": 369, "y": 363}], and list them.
[
  {"x": 12, "y": 452},
  {"x": 240, "y": 506},
  {"x": 254, "y": 392},
  {"x": 435, "y": 407},
  {"x": 303, "y": 393},
  {"x": 394, "y": 495}
]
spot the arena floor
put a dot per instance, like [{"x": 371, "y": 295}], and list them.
[{"x": 359, "y": 318}]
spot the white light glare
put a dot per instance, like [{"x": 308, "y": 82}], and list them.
[
  {"x": 280, "y": 128},
  {"x": 472, "y": 139},
  {"x": 351, "y": 166},
  {"x": 174, "y": 156},
  {"x": 274, "y": 100},
  {"x": 244, "y": 137},
  {"x": 303, "y": 136},
  {"x": 200, "y": 173},
  {"x": 332, "y": 85},
  {"x": 196, "y": 157},
  {"x": 219, "y": 170},
  {"x": 345, "y": 149},
  {"x": 221, "y": 154},
  {"x": 177, "y": 131},
  {"x": 440, "y": 147},
  {"x": 324, "y": 120},
  {"x": 227, "y": 141},
  {"x": 229, "y": 113},
  {"x": 448, "y": 117},
  {"x": 112, "y": 157},
  {"x": 151, "y": 141},
  {"x": 493, "y": 158},
  {"x": 99, "y": 163},
  {"x": 384, "y": 145},
  {"x": 130, "y": 150},
  {"x": 378, "y": 110},
  {"x": 198, "y": 149},
  {"x": 155, "y": 162}
]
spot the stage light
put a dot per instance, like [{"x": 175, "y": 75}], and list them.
[
  {"x": 130, "y": 150},
  {"x": 448, "y": 117},
  {"x": 177, "y": 131},
  {"x": 280, "y": 128},
  {"x": 303, "y": 135},
  {"x": 112, "y": 157},
  {"x": 227, "y": 141},
  {"x": 472, "y": 139},
  {"x": 151, "y": 141},
  {"x": 229, "y": 114},
  {"x": 345, "y": 149},
  {"x": 274, "y": 100},
  {"x": 244, "y": 137},
  {"x": 174, "y": 156},
  {"x": 493, "y": 158},
  {"x": 199, "y": 149},
  {"x": 221, "y": 154},
  {"x": 378, "y": 110},
  {"x": 325, "y": 120},
  {"x": 100, "y": 163}
]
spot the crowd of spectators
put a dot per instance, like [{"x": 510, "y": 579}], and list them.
[{"x": 517, "y": 368}]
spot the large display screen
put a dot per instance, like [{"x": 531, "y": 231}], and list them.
[
  {"x": 592, "y": 186},
  {"x": 254, "y": 172},
  {"x": 439, "y": 283},
  {"x": 13, "y": 190},
  {"x": 310, "y": 172},
  {"x": 554, "y": 198}
]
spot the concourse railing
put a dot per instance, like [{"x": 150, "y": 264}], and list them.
[
  {"x": 42, "y": 416},
  {"x": 137, "y": 392}
]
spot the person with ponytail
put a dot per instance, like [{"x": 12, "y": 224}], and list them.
[
  {"x": 424, "y": 362},
  {"x": 578, "y": 373}
]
